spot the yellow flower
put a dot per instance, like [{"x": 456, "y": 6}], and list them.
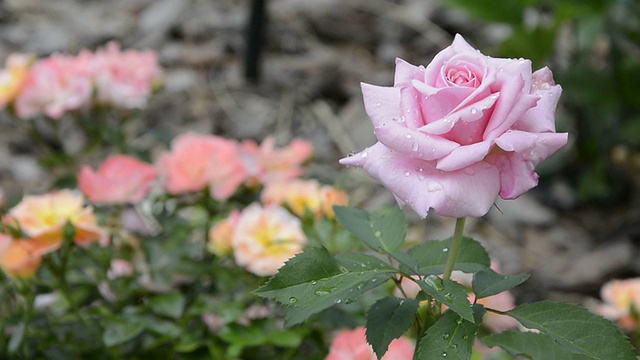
[
  {"x": 43, "y": 218},
  {"x": 12, "y": 77}
]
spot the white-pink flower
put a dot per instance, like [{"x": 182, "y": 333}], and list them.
[
  {"x": 124, "y": 78},
  {"x": 266, "y": 237},
  {"x": 620, "y": 297},
  {"x": 55, "y": 85}
]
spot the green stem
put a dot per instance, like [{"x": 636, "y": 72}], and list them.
[{"x": 455, "y": 248}]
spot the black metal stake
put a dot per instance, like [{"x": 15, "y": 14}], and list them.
[{"x": 254, "y": 41}]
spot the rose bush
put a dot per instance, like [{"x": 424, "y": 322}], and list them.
[{"x": 454, "y": 135}]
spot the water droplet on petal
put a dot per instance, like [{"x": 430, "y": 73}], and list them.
[
  {"x": 474, "y": 110},
  {"x": 469, "y": 171},
  {"x": 415, "y": 146},
  {"x": 408, "y": 110},
  {"x": 421, "y": 177},
  {"x": 406, "y": 173},
  {"x": 293, "y": 300},
  {"x": 408, "y": 136},
  {"x": 378, "y": 103}
]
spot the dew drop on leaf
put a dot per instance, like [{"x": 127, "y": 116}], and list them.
[{"x": 293, "y": 300}]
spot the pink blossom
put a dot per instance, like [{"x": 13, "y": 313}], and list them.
[
  {"x": 620, "y": 297},
  {"x": 124, "y": 78},
  {"x": 55, "y": 85},
  {"x": 352, "y": 345},
  {"x": 458, "y": 133},
  {"x": 199, "y": 161},
  {"x": 266, "y": 237},
  {"x": 120, "y": 179},
  {"x": 119, "y": 268},
  {"x": 265, "y": 163}
]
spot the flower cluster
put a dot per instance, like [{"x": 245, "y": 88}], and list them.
[
  {"x": 261, "y": 236},
  {"x": 61, "y": 83}
]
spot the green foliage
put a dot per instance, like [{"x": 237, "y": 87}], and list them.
[
  {"x": 450, "y": 337},
  {"x": 449, "y": 293},
  {"x": 431, "y": 256},
  {"x": 388, "y": 319},
  {"x": 487, "y": 282},
  {"x": 537, "y": 346},
  {"x": 575, "y": 329},
  {"x": 381, "y": 232},
  {"x": 314, "y": 280}
]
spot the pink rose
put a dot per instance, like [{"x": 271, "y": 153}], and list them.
[
  {"x": 120, "y": 179},
  {"x": 352, "y": 345},
  {"x": 266, "y": 163},
  {"x": 454, "y": 135},
  {"x": 55, "y": 85},
  {"x": 199, "y": 161},
  {"x": 124, "y": 78}
]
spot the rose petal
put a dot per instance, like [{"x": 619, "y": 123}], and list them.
[
  {"x": 517, "y": 175},
  {"x": 405, "y": 72},
  {"x": 532, "y": 147},
  {"x": 507, "y": 111},
  {"x": 464, "y": 156},
  {"x": 382, "y": 104},
  {"x": 413, "y": 142},
  {"x": 417, "y": 183},
  {"x": 541, "y": 117}
]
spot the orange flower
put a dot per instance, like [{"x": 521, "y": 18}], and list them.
[
  {"x": 304, "y": 195},
  {"x": 43, "y": 218},
  {"x": 619, "y": 297},
  {"x": 120, "y": 179},
  {"x": 197, "y": 161},
  {"x": 221, "y": 234},
  {"x": 17, "y": 258},
  {"x": 12, "y": 77},
  {"x": 265, "y": 163},
  {"x": 265, "y": 238},
  {"x": 330, "y": 197}
]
